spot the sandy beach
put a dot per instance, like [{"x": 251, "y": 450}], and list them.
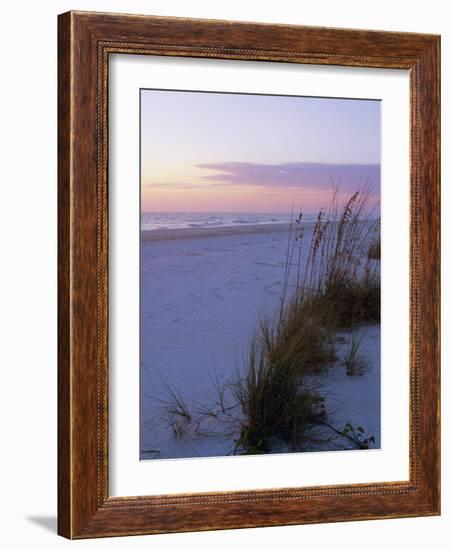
[
  {"x": 203, "y": 292},
  {"x": 202, "y": 232}
]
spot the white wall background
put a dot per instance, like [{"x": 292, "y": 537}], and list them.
[{"x": 28, "y": 122}]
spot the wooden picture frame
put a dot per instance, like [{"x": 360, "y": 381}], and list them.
[{"x": 85, "y": 42}]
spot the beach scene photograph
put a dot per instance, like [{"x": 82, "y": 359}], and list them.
[{"x": 259, "y": 274}]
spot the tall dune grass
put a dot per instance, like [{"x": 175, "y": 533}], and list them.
[
  {"x": 275, "y": 401},
  {"x": 335, "y": 286}
]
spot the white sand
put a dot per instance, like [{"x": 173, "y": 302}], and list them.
[{"x": 202, "y": 293}]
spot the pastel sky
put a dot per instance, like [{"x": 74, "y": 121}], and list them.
[{"x": 217, "y": 152}]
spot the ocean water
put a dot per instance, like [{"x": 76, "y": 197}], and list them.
[{"x": 178, "y": 220}]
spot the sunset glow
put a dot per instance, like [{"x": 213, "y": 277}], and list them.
[{"x": 218, "y": 152}]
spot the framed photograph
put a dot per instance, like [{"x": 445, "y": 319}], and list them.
[{"x": 248, "y": 275}]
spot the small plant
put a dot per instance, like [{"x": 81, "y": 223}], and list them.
[
  {"x": 354, "y": 362},
  {"x": 357, "y": 436},
  {"x": 179, "y": 425},
  {"x": 176, "y": 411},
  {"x": 374, "y": 252}
]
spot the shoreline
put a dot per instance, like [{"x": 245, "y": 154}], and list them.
[{"x": 203, "y": 232}]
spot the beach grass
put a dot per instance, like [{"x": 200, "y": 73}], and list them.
[
  {"x": 336, "y": 287},
  {"x": 374, "y": 252},
  {"x": 274, "y": 396},
  {"x": 354, "y": 361}
]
